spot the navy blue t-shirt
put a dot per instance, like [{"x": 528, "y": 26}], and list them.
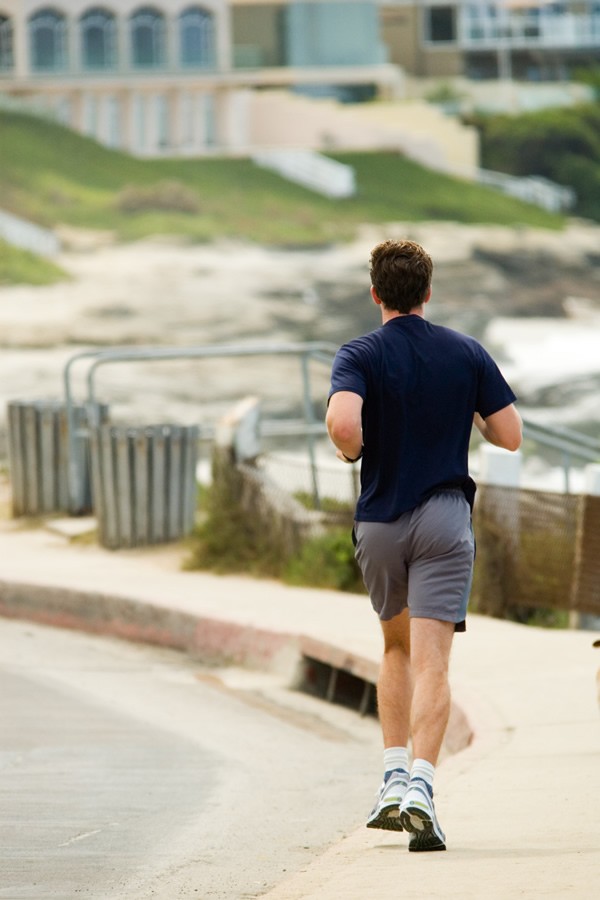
[{"x": 421, "y": 384}]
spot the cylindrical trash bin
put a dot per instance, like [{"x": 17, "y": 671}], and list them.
[
  {"x": 38, "y": 450},
  {"x": 144, "y": 483}
]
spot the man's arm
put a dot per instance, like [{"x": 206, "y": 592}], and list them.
[
  {"x": 502, "y": 428},
  {"x": 344, "y": 424}
]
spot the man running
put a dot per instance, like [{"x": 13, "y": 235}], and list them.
[{"x": 404, "y": 398}]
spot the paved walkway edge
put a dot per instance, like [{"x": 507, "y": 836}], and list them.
[
  {"x": 213, "y": 640},
  {"x": 138, "y": 620}
]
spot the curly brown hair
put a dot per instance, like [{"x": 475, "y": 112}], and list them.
[{"x": 401, "y": 273}]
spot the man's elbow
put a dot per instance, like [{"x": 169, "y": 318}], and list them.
[
  {"x": 515, "y": 437},
  {"x": 514, "y": 442},
  {"x": 505, "y": 429},
  {"x": 344, "y": 419},
  {"x": 341, "y": 432}
]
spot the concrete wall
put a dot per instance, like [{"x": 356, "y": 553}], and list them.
[
  {"x": 400, "y": 33},
  {"x": 418, "y": 129},
  {"x": 401, "y": 28},
  {"x": 438, "y": 63}
]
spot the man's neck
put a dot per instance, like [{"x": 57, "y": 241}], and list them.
[{"x": 388, "y": 314}]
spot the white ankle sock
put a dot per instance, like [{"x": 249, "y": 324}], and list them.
[
  {"x": 423, "y": 769},
  {"x": 395, "y": 758}
]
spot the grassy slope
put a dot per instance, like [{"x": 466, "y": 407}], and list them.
[
  {"x": 52, "y": 175},
  {"x": 21, "y": 267}
]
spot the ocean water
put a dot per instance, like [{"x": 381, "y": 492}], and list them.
[{"x": 554, "y": 367}]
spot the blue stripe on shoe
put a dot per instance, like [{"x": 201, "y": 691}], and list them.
[
  {"x": 390, "y": 772},
  {"x": 417, "y": 815},
  {"x": 421, "y": 782},
  {"x": 386, "y": 812}
]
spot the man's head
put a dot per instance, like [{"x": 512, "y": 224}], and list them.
[{"x": 401, "y": 275}]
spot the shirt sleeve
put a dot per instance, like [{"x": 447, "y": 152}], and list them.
[
  {"x": 493, "y": 393},
  {"x": 347, "y": 373}
]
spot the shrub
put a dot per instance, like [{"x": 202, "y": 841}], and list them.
[
  {"x": 233, "y": 538},
  {"x": 326, "y": 561},
  {"x": 560, "y": 144},
  {"x": 583, "y": 175},
  {"x": 165, "y": 196},
  {"x": 228, "y": 539},
  {"x": 533, "y": 143},
  {"x": 589, "y": 75}
]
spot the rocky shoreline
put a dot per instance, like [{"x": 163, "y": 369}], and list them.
[{"x": 163, "y": 291}]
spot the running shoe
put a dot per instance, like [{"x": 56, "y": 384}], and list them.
[
  {"x": 417, "y": 815},
  {"x": 386, "y": 812}
]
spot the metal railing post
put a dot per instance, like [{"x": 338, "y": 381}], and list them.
[
  {"x": 309, "y": 416},
  {"x": 74, "y": 458}
]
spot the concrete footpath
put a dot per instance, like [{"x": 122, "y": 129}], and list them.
[{"x": 520, "y": 804}]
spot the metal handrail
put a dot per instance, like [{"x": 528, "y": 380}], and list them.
[
  {"x": 320, "y": 350},
  {"x": 217, "y": 351},
  {"x": 571, "y": 444},
  {"x": 580, "y": 445}
]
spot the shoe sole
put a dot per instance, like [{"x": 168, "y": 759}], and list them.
[
  {"x": 419, "y": 824},
  {"x": 387, "y": 818}
]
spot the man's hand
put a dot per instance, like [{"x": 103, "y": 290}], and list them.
[{"x": 344, "y": 458}]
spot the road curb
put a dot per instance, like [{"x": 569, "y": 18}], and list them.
[
  {"x": 141, "y": 621},
  {"x": 214, "y": 640}
]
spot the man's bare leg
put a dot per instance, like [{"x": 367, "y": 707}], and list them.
[
  {"x": 394, "y": 691},
  {"x": 431, "y": 641},
  {"x": 430, "y": 644},
  {"x": 394, "y": 687}
]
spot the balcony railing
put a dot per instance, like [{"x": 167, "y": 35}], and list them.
[{"x": 567, "y": 31}]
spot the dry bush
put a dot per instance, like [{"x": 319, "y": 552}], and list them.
[{"x": 165, "y": 196}]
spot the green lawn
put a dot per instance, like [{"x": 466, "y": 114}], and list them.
[
  {"x": 51, "y": 175},
  {"x": 21, "y": 267}
]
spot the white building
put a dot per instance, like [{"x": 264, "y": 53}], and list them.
[
  {"x": 529, "y": 39},
  {"x": 174, "y": 76},
  {"x": 179, "y": 77}
]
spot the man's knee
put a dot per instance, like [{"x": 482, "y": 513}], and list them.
[{"x": 396, "y": 634}]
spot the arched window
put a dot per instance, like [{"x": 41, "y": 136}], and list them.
[
  {"x": 6, "y": 44},
  {"x": 148, "y": 38},
  {"x": 48, "y": 41},
  {"x": 197, "y": 37},
  {"x": 98, "y": 39}
]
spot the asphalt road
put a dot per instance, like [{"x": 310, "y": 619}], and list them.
[{"x": 129, "y": 772}]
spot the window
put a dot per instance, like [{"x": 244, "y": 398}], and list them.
[
  {"x": 531, "y": 27},
  {"x": 440, "y": 26},
  {"x": 197, "y": 37},
  {"x": 62, "y": 110},
  {"x": 90, "y": 115},
  {"x": 480, "y": 21},
  {"x": 148, "y": 38},
  {"x": 162, "y": 121},
  {"x": 139, "y": 122},
  {"x": 210, "y": 120},
  {"x": 6, "y": 44},
  {"x": 98, "y": 39},
  {"x": 113, "y": 121},
  {"x": 48, "y": 41}
]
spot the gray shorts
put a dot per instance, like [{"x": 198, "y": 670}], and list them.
[{"x": 423, "y": 560}]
